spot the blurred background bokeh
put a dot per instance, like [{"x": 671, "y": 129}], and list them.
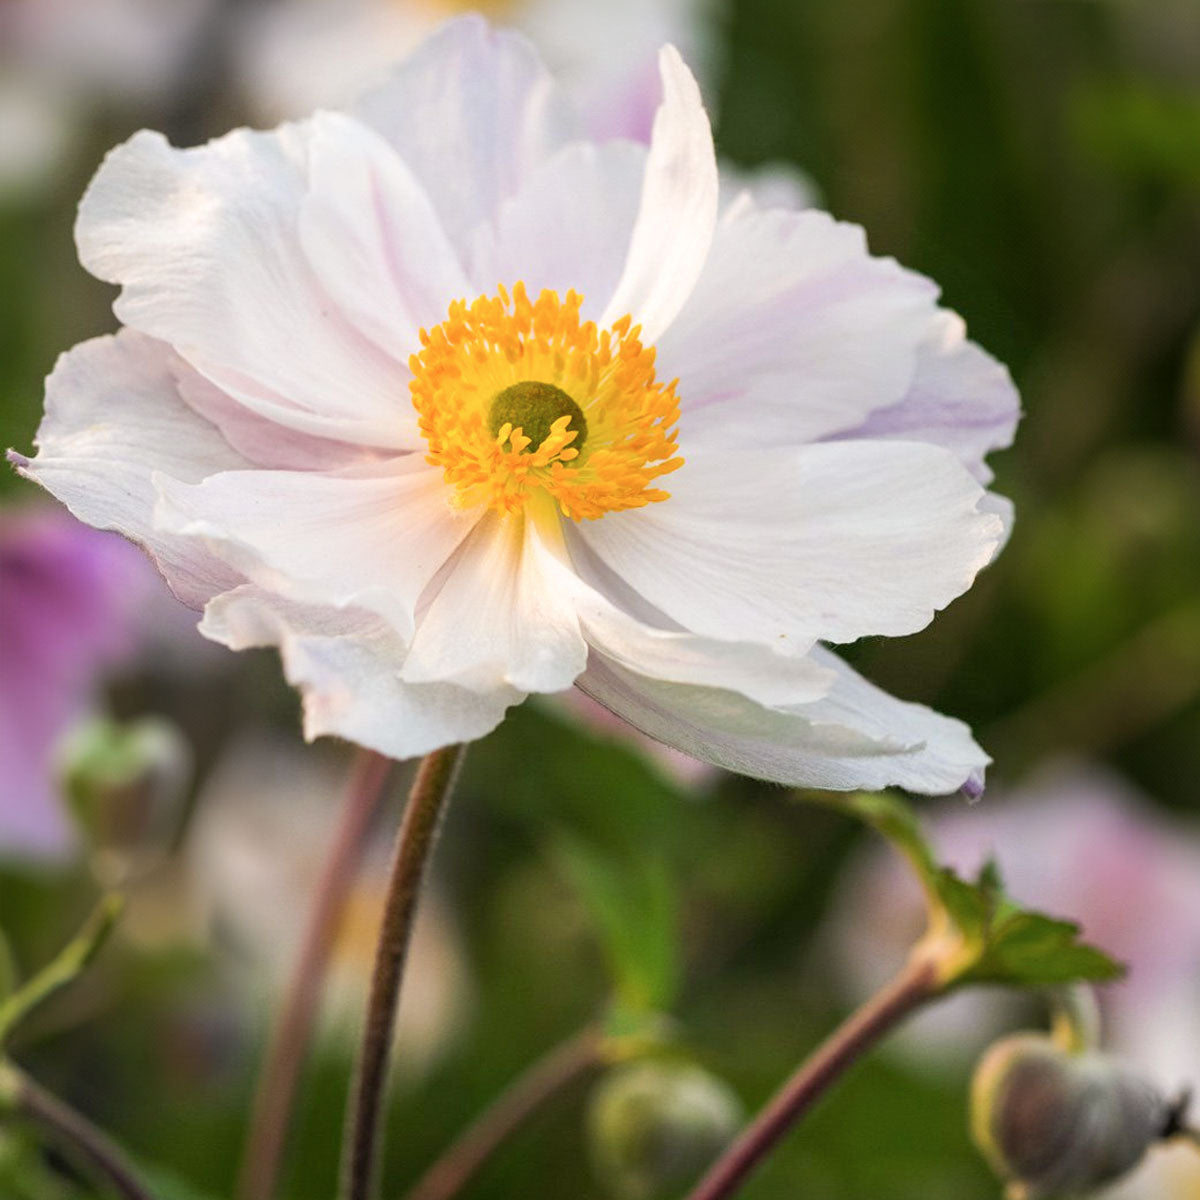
[{"x": 1041, "y": 160}]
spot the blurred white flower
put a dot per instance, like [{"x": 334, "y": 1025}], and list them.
[
  {"x": 254, "y": 853},
  {"x": 299, "y": 55},
  {"x": 453, "y": 407},
  {"x": 1078, "y": 843},
  {"x": 58, "y": 57}
]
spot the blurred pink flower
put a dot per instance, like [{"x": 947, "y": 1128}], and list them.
[
  {"x": 68, "y": 595},
  {"x": 1079, "y": 843}
]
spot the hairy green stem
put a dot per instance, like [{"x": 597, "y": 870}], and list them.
[
  {"x": 66, "y": 966},
  {"x": 418, "y": 832}
]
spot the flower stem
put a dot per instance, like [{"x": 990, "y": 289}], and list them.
[
  {"x": 916, "y": 984},
  {"x": 418, "y": 831},
  {"x": 78, "y": 1136},
  {"x": 539, "y": 1083},
  {"x": 276, "y": 1094}
]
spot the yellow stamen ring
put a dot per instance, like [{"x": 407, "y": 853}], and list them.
[{"x": 517, "y": 397}]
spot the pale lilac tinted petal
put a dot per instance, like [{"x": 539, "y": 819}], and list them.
[
  {"x": 262, "y": 441},
  {"x": 370, "y": 537},
  {"x": 68, "y": 597},
  {"x": 960, "y": 398},
  {"x": 858, "y": 737},
  {"x": 677, "y": 657},
  {"x": 472, "y": 112},
  {"x": 793, "y": 332},
  {"x": 206, "y": 245},
  {"x": 678, "y": 209},
  {"x": 606, "y": 56},
  {"x": 347, "y": 666},
  {"x": 113, "y": 417},
  {"x": 1002, "y": 508},
  {"x": 499, "y": 616},
  {"x": 374, "y": 240},
  {"x": 568, "y": 227},
  {"x": 624, "y": 105},
  {"x": 623, "y": 628},
  {"x": 834, "y": 541}
]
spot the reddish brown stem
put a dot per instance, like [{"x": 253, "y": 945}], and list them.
[
  {"x": 275, "y": 1098},
  {"x": 911, "y": 988},
  {"x": 539, "y": 1083},
  {"x": 73, "y": 1132},
  {"x": 418, "y": 832}
]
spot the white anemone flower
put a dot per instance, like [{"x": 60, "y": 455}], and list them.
[{"x": 452, "y": 406}]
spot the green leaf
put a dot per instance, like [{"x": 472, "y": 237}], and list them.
[
  {"x": 977, "y": 933},
  {"x": 632, "y": 900},
  {"x": 166, "y": 1185},
  {"x": 1030, "y": 949}
]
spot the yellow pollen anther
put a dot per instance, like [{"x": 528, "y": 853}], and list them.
[{"x": 518, "y": 397}]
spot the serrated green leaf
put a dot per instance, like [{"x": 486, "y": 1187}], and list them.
[
  {"x": 632, "y": 900},
  {"x": 977, "y": 933},
  {"x": 1031, "y": 949}
]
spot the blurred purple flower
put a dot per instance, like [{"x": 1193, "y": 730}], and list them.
[{"x": 68, "y": 594}]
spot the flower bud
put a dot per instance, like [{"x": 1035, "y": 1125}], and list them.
[
  {"x": 126, "y": 784},
  {"x": 656, "y": 1123},
  {"x": 1055, "y": 1123}
]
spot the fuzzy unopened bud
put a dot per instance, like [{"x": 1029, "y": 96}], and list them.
[
  {"x": 654, "y": 1125},
  {"x": 127, "y": 784},
  {"x": 1056, "y": 1123}
]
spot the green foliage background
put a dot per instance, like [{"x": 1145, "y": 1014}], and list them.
[{"x": 1041, "y": 160}]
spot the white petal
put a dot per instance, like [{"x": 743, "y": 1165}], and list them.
[
  {"x": 206, "y": 245},
  {"x": 114, "y": 416},
  {"x": 834, "y": 541},
  {"x": 500, "y": 617},
  {"x": 793, "y": 332},
  {"x": 858, "y": 737},
  {"x": 960, "y": 398},
  {"x": 472, "y": 112},
  {"x": 374, "y": 240},
  {"x": 568, "y": 227},
  {"x": 678, "y": 210},
  {"x": 756, "y": 671},
  {"x": 347, "y": 665},
  {"x": 263, "y": 442},
  {"x": 372, "y": 536}
]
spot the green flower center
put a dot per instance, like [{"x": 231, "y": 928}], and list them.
[{"x": 533, "y": 409}]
